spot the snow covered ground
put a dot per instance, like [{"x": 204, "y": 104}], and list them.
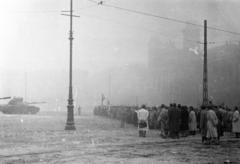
[{"x": 42, "y": 139}]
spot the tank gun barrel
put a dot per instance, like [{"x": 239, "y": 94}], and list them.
[
  {"x": 41, "y": 102},
  {"x": 4, "y": 98}
]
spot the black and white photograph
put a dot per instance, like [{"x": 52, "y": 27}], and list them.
[{"x": 119, "y": 82}]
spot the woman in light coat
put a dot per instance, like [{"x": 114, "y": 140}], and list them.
[
  {"x": 212, "y": 122},
  {"x": 236, "y": 123},
  {"x": 192, "y": 123}
]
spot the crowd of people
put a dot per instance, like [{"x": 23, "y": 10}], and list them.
[{"x": 176, "y": 121}]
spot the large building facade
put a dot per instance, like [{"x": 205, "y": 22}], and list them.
[{"x": 176, "y": 73}]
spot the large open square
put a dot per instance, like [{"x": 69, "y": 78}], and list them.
[
  {"x": 41, "y": 138},
  {"x": 73, "y": 72}
]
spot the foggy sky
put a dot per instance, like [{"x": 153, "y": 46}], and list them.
[{"x": 34, "y": 36}]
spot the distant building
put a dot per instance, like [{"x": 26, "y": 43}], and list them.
[
  {"x": 177, "y": 73},
  {"x": 224, "y": 73}
]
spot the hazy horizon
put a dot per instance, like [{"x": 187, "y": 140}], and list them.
[{"x": 34, "y": 38}]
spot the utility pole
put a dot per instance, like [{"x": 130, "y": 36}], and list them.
[
  {"x": 205, "y": 70},
  {"x": 25, "y": 85},
  {"x": 70, "y": 115},
  {"x": 109, "y": 87}
]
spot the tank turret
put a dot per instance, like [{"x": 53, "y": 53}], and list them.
[{"x": 18, "y": 106}]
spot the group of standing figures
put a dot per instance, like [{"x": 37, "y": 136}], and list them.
[
  {"x": 212, "y": 123},
  {"x": 173, "y": 121},
  {"x": 176, "y": 121}
]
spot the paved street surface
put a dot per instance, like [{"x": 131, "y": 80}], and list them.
[{"x": 42, "y": 139}]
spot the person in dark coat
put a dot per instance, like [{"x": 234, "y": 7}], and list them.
[
  {"x": 152, "y": 119},
  {"x": 220, "y": 122},
  {"x": 163, "y": 120},
  {"x": 198, "y": 113},
  {"x": 184, "y": 120},
  {"x": 203, "y": 124},
  {"x": 174, "y": 120}
]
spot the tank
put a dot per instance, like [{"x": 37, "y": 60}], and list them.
[{"x": 17, "y": 106}]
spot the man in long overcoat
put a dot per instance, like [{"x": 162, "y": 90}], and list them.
[
  {"x": 203, "y": 123},
  {"x": 184, "y": 120},
  {"x": 174, "y": 121},
  {"x": 212, "y": 122},
  {"x": 219, "y": 113},
  {"x": 152, "y": 119},
  {"x": 163, "y": 120}
]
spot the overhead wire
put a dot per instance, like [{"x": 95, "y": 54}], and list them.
[
  {"x": 139, "y": 28},
  {"x": 162, "y": 17},
  {"x": 51, "y": 11},
  {"x": 103, "y": 3},
  {"x": 149, "y": 30}
]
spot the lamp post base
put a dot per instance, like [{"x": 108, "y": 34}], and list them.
[
  {"x": 70, "y": 126},
  {"x": 70, "y": 116}
]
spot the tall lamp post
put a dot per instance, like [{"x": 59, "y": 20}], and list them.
[
  {"x": 70, "y": 115},
  {"x": 205, "y": 70}
]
